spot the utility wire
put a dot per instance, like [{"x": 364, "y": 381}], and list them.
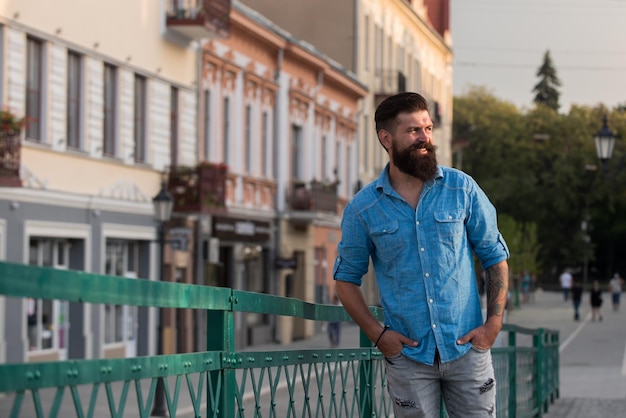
[{"x": 524, "y": 66}]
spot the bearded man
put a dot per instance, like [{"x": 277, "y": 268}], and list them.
[{"x": 421, "y": 224}]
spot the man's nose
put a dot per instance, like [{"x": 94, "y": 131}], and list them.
[{"x": 421, "y": 135}]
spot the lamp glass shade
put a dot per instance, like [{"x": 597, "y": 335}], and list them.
[
  {"x": 604, "y": 146},
  {"x": 163, "y": 204},
  {"x": 605, "y": 141}
]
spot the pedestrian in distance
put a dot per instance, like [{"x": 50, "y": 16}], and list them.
[
  {"x": 615, "y": 287},
  {"x": 577, "y": 297},
  {"x": 334, "y": 327},
  {"x": 420, "y": 224},
  {"x": 566, "y": 279},
  {"x": 596, "y": 301},
  {"x": 525, "y": 285}
]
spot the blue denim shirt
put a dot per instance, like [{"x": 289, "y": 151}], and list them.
[{"x": 423, "y": 258}]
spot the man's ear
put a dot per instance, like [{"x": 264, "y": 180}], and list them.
[{"x": 384, "y": 136}]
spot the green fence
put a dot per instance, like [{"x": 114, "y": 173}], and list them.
[{"x": 224, "y": 383}]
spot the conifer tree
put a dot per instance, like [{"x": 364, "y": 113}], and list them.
[{"x": 546, "y": 92}]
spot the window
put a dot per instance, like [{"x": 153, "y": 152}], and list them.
[
  {"x": 265, "y": 144},
  {"x": 120, "y": 321},
  {"x": 366, "y": 143},
  {"x": 297, "y": 159},
  {"x": 226, "y": 128},
  {"x": 207, "y": 125},
  {"x": 34, "y": 88},
  {"x": 248, "y": 138},
  {"x": 367, "y": 42},
  {"x": 378, "y": 50},
  {"x": 47, "y": 320},
  {"x": 174, "y": 126},
  {"x": 74, "y": 99},
  {"x": 110, "y": 110},
  {"x": 339, "y": 163},
  {"x": 349, "y": 180},
  {"x": 140, "y": 119}
]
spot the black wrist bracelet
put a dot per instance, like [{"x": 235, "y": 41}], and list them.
[{"x": 385, "y": 328}]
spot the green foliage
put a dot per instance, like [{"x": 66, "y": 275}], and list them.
[
  {"x": 521, "y": 238},
  {"x": 546, "y": 92},
  {"x": 540, "y": 170}
]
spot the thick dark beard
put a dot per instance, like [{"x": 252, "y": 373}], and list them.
[{"x": 423, "y": 167}]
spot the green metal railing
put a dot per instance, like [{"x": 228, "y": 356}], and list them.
[{"x": 224, "y": 383}]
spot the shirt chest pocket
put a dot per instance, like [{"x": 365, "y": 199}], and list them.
[
  {"x": 450, "y": 225},
  {"x": 386, "y": 238}
]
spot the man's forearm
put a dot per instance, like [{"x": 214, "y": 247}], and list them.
[
  {"x": 497, "y": 282},
  {"x": 354, "y": 303}
]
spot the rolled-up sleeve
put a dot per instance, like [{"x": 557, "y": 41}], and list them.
[
  {"x": 354, "y": 249},
  {"x": 482, "y": 227}
]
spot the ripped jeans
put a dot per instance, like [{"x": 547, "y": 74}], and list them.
[{"x": 467, "y": 384}]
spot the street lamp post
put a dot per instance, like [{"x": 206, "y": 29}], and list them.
[
  {"x": 163, "y": 205},
  {"x": 604, "y": 140}
]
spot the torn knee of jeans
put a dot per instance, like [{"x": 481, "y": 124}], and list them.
[
  {"x": 487, "y": 386},
  {"x": 405, "y": 403}
]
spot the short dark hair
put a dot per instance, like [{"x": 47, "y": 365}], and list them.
[{"x": 388, "y": 110}]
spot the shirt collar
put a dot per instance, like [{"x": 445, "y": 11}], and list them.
[{"x": 383, "y": 180}]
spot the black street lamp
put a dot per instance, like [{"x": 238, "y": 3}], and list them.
[
  {"x": 605, "y": 142},
  {"x": 163, "y": 205}
]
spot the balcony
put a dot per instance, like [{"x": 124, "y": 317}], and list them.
[
  {"x": 317, "y": 197},
  {"x": 199, "y": 19},
  {"x": 388, "y": 83},
  {"x": 199, "y": 189},
  {"x": 10, "y": 158}
]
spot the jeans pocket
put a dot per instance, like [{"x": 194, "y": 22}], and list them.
[
  {"x": 393, "y": 359},
  {"x": 479, "y": 350}
]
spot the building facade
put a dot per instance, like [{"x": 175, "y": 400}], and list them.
[
  {"x": 281, "y": 116},
  {"x": 253, "y": 132},
  {"x": 392, "y": 46},
  {"x": 108, "y": 109}
]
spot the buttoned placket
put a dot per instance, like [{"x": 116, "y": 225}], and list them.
[{"x": 425, "y": 265}]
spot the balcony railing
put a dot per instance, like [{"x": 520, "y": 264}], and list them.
[
  {"x": 10, "y": 148},
  {"x": 388, "y": 83},
  {"x": 199, "y": 19},
  {"x": 315, "y": 197},
  {"x": 199, "y": 189}
]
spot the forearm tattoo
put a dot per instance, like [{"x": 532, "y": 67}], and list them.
[{"x": 496, "y": 278}]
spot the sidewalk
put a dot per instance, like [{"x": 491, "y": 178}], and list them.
[{"x": 592, "y": 355}]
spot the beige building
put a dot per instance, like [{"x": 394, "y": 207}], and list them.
[
  {"x": 392, "y": 46},
  {"x": 109, "y": 92}
]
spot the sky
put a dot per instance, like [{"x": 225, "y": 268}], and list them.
[{"x": 500, "y": 44}]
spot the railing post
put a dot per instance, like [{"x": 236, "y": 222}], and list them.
[
  {"x": 221, "y": 337},
  {"x": 366, "y": 379},
  {"x": 538, "y": 344},
  {"x": 512, "y": 374}
]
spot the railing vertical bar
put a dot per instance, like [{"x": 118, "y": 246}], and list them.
[
  {"x": 512, "y": 374},
  {"x": 221, "y": 337},
  {"x": 366, "y": 389},
  {"x": 538, "y": 344}
]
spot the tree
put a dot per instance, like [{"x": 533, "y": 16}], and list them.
[{"x": 546, "y": 92}]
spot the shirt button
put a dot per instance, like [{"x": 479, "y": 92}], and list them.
[
  {"x": 417, "y": 222},
  {"x": 449, "y": 217},
  {"x": 434, "y": 325},
  {"x": 430, "y": 300},
  {"x": 422, "y": 249},
  {"x": 427, "y": 274}
]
